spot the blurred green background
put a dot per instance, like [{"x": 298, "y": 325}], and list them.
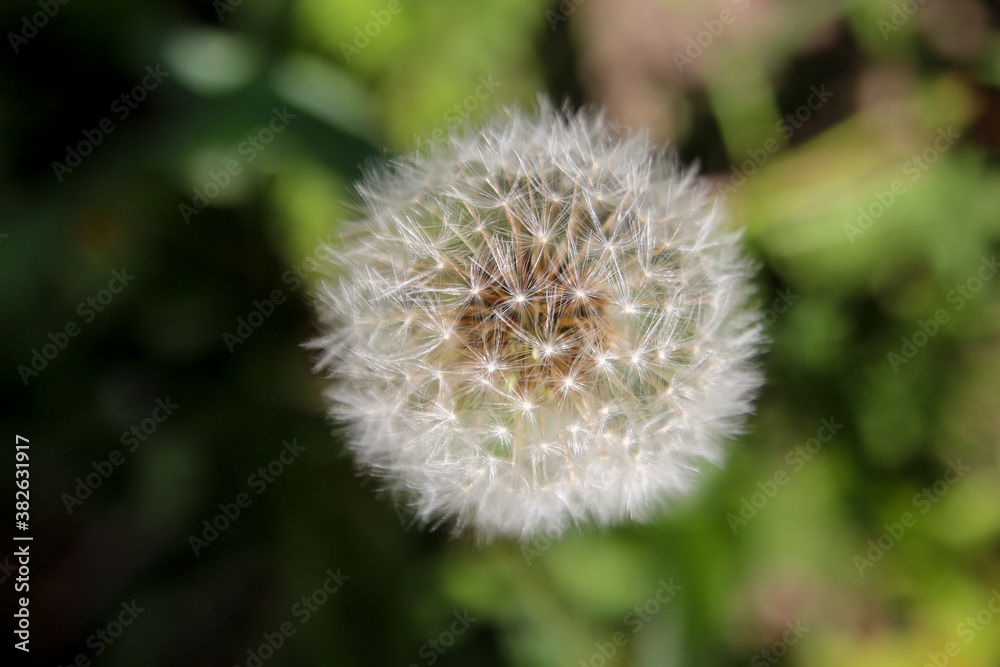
[{"x": 205, "y": 148}]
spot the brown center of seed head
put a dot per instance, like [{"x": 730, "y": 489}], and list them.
[{"x": 541, "y": 329}]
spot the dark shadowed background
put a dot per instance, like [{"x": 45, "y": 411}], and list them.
[{"x": 168, "y": 170}]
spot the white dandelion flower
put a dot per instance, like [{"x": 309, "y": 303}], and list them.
[{"x": 538, "y": 325}]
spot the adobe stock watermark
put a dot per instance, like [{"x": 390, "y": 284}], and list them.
[
  {"x": 902, "y": 12},
  {"x": 294, "y": 277},
  {"x": 405, "y": 512},
  {"x": 923, "y": 501},
  {"x": 538, "y": 546},
  {"x": 914, "y": 169},
  {"x": 302, "y": 611},
  {"x": 796, "y": 459},
  {"x": 224, "y": 7},
  {"x": 635, "y": 620},
  {"x": 22, "y": 622},
  {"x": 258, "y": 481},
  {"x": 297, "y": 274},
  {"x": 432, "y": 650},
  {"x": 130, "y": 439},
  {"x": 779, "y": 648},
  {"x": 697, "y": 44},
  {"x": 248, "y": 150},
  {"x": 563, "y": 12},
  {"x": 122, "y": 107},
  {"x": 30, "y": 25},
  {"x": 786, "y": 126},
  {"x": 928, "y": 329},
  {"x": 246, "y": 326},
  {"x": 456, "y": 116},
  {"x": 102, "y": 639},
  {"x": 364, "y": 34},
  {"x": 967, "y": 630},
  {"x": 782, "y": 302},
  {"x": 88, "y": 309},
  {"x": 6, "y": 570}
]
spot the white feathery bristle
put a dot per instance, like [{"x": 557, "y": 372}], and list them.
[{"x": 538, "y": 325}]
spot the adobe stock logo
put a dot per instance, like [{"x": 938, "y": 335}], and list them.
[
  {"x": 957, "y": 297},
  {"x": 363, "y": 35},
  {"x": 796, "y": 458},
  {"x": 122, "y": 107},
  {"x": 249, "y": 149},
  {"x": 101, "y": 639},
  {"x": 787, "y": 126},
  {"x": 131, "y": 439},
  {"x": 303, "y": 611},
  {"x": 565, "y": 10},
  {"x": 59, "y": 340},
  {"x": 699, "y": 43},
  {"x": 780, "y": 648},
  {"x": 914, "y": 168},
  {"x": 924, "y": 501},
  {"x": 259, "y": 481},
  {"x": 246, "y": 326},
  {"x": 967, "y": 631},
  {"x": 901, "y": 14},
  {"x": 31, "y": 25},
  {"x": 433, "y": 649},
  {"x": 459, "y": 113},
  {"x": 605, "y": 652}
]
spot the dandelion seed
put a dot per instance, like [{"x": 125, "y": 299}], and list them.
[{"x": 538, "y": 326}]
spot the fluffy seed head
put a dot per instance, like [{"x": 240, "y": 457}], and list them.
[{"x": 537, "y": 325}]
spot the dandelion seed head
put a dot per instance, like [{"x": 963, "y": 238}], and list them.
[{"x": 541, "y": 324}]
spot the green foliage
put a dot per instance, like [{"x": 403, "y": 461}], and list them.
[{"x": 773, "y": 538}]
